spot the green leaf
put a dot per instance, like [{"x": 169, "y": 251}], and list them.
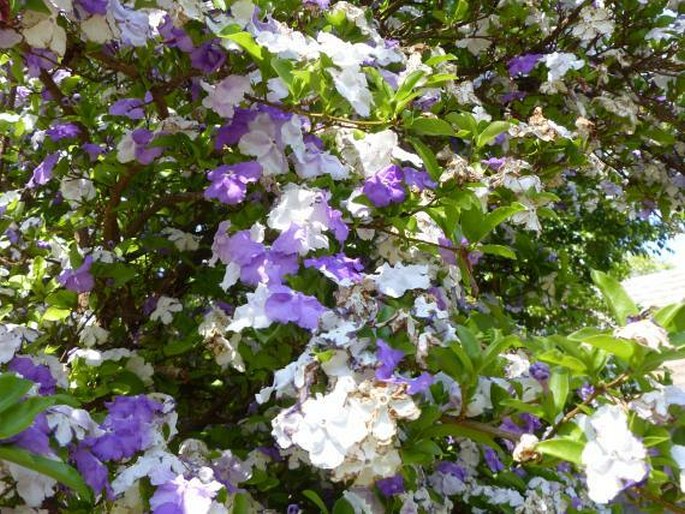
[
  {"x": 559, "y": 386},
  {"x": 38, "y": 6},
  {"x": 62, "y": 299},
  {"x": 12, "y": 389},
  {"x": 671, "y": 317},
  {"x": 431, "y": 127},
  {"x": 620, "y": 303},
  {"x": 56, "y": 469},
  {"x": 456, "y": 430},
  {"x": 559, "y": 358},
  {"x": 245, "y": 40},
  {"x": 342, "y": 506},
  {"x": 491, "y": 220},
  {"x": 241, "y": 504},
  {"x": 428, "y": 158},
  {"x": 499, "y": 250},
  {"x": 491, "y": 132},
  {"x": 621, "y": 348},
  {"x": 316, "y": 500},
  {"x": 55, "y": 314},
  {"x": 565, "y": 449},
  {"x": 19, "y": 416}
]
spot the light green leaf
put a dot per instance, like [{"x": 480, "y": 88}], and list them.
[
  {"x": 559, "y": 386},
  {"x": 431, "y": 127},
  {"x": 12, "y": 389},
  {"x": 621, "y": 348},
  {"x": 55, "y": 314},
  {"x": 245, "y": 40},
  {"x": 565, "y": 449},
  {"x": 620, "y": 303},
  {"x": 316, "y": 500},
  {"x": 499, "y": 250},
  {"x": 491, "y": 132}
]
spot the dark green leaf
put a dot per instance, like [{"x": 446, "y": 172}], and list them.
[{"x": 12, "y": 389}]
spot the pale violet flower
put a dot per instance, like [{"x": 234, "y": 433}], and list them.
[
  {"x": 33, "y": 487},
  {"x": 396, "y": 280},
  {"x": 77, "y": 189},
  {"x": 68, "y": 423},
  {"x": 11, "y": 338},
  {"x": 224, "y": 96},
  {"x": 613, "y": 457},
  {"x": 251, "y": 314},
  {"x": 260, "y": 142},
  {"x": 166, "y": 307},
  {"x": 156, "y": 463}
]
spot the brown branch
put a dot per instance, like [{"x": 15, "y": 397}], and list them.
[
  {"x": 110, "y": 225},
  {"x": 137, "y": 224},
  {"x": 63, "y": 101},
  {"x": 481, "y": 427}
]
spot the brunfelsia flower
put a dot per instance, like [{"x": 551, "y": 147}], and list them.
[
  {"x": 339, "y": 268},
  {"x": 43, "y": 172},
  {"x": 389, "y": 359},
  {"x": 132, "y": 108},
  {"x": 208, "y": 57},
  {"x": 523, "y": 64},
  {"x": 61, "y": 131},
  {"x": 181, "y": 496},
  {"x": 540, "y": 371},
  {"x": 229, "y": 182},
  {"x": 385, "y": 187},
  {"x": 79, "y": 280},
  {"x": 94, "y": 472},
  {"x": 391, "y": 486},
  {"x": 285, "y": 305},
  {"x": 94, "y": 6},
  {"x": 38, "y": 373}
]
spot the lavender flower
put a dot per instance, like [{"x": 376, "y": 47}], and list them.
[
  {"x": 43, "y": 172},
  {"x": 523, "y": 64},
  {"x": 63, "y": 131},
  {"x": 37, "y": 373},
  {"x": 181, "y": 496},
  {"x": 132, "y": 108},
  {"x": 175, "y": 37},
  {"x": 389, "y": 359},
  {"x": 36, "y": 438},
  {"x": 94, "y": 6},
  {"x": 94, "y": 472},
  {"x": 492, "y": 460},
  {"x": 451, "y": 468},
  {"x": 340, "y": 268},
  {"x": 285, "y": 305}
]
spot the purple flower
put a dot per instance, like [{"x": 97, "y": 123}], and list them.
[
  {"x": 181, "y": 496},
  {"x": 79, "y": 280},
  {"x": 451, "y": 468},
  {"x": 229, "y": 182},
  {"x": 93, "y": 471},
  {"x": 145, "y": 154},
  {"x": 93, "y": 151},
  {"x": 448, "y": 256},
  {"x": 539, "y": 371},
  {"x": 586, "y": 391},
  {"x": 418, "y": 384},
  {"x": 321, "y": 4},
  {"x": 492, "y": 460},
  {"x": 175, "y": 37},
  {"x": 340, "y": 268},
  {"x": 285, "y": 305},
  {"x": 39, "y": 59},
  {"x": 207, "y": 57},
  {"x": 37, "y": 373},
  {"x": 391, "y": 486},
  {"x": 385, "y": 187},
  {"x": 36, "y": 438},
  {"x": 63, "y": 131},
  {"x": 419, "y": 179},
  {"x": 513, "y": 96},
  {"x": 128, "y": 427},
  {"x": 94, "y": 6},
  {"x": 523, "y": 64},
  {"x": 132, "y": 108},
  {"x": 389, "y": 359},
  {"x": 43, "y": 172},
  {"x": 495, "y": 163},
  {"x": 229, "y": 135}
]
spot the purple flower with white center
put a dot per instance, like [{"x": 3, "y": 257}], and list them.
[
  {"x": 93, "y": 471},
  {"x": 229, "y": 182},
  {"x": 539, "y": 371},
  {"x": 419, "y": 179},
  {"x": 230, "y": 470},
  {"x": 145, "y": 154},
  {"x": 451, "y": 468},
  {"x": 37, "y": 373},
  {"x": 181, "y": 496},
  {"x": 43, "y": 172},
  {"x": 80, "y": 279},
  {"x": 339, "y": 268},
  {"x": 427, "y": 100},
  {"x": 35, "y": 438},
  {"x": 285, "y": 305},
  {"x": 94, "y": 6},
  {"x": 132, "y": 108},
  {"x": 208, "y": 57},
  {"x": 128, "y": 426},
  {"x": 93, "y": 150},
  {"x": 175, "y": 37},
  {"x": 492, "y": 460},
  {"x": 389, "y": 359},
  {"x": 385, "y": 187},
  {"x": 523, "y": 64},
  {"x": 495, "y": 163},
  {"x": 63, "y": 131},
  {"x": 391, "y": 486}
]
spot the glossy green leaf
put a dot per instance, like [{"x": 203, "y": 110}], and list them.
[
  {"x": 491, "y": 132},
  {"x": 431, "y": 127},
  {"x": 19, "y": 416},
  {"x": 620, "y": 304},
  {"x": 12, "y": 389},
  {"x": 565, "y": 449},
  {"x": 313, "y": 497}
]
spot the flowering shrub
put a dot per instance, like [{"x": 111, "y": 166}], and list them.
[{"x": 303, "y": 256}]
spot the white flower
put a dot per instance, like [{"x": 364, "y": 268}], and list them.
[
  {"x": 369, "y": 154},
  {"x": 559, "y": 63},
  {"x": 126, "y": 149},
  {"x": 653, "y": 406},
  {"x": 42, "y": 31},
  {"x": 678, "y": 455},
  {"x": 224, "y": 96},
  {"x": 225, "y": 350},
  {"x": 156, "y": 463},
  {"x": 11, "y": 337},
  {"x": 183, "y": 240},
  {"x": 645, "y": 332},
  {"x": 252, "y": 313},
  {"x": 98, "y": 29},
  {"x": 396, "y": 280},
  {"x": 165, "y": 309},
  {"x": 352, "y": 85},
  {"x": 69, "y": 423},
  {"x": 231, "y": 276},
  {"x": 288, "y": 380},
  {"x": 93, "y": 334},
  {"x": 33, "y": 487},
  {"x": 525, "y": 448},
  {"x": 612, "y": 456},
  {"x": 77, "y": 189},
  {"x": 260, "y": 142},
  {"x": 593, "y": 22}
]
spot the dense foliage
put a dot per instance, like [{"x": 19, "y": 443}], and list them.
[{"x": 301, "y": 256}]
